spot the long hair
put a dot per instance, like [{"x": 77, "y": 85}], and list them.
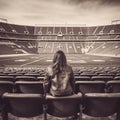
[{"x": 59, "y": 62}]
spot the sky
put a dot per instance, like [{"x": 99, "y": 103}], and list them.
[{"x": 65, "y": 12}]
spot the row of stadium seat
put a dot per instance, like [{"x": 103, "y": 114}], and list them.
[
  {"x": 80, "y": 86},
  {"x": 14, "y": 78},
  {"x": 38, "y": 77},
  {"x": 98, "y": 86},
  {"x": 91, "y": 71},
  {"x": 80, "y": 68},
  {"x": 34, "y": 104}
]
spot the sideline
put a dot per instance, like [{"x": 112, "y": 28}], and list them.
[{"x": 14, "y": 55}]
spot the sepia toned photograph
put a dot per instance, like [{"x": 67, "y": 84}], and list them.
[{"x": 59, "y": 59}]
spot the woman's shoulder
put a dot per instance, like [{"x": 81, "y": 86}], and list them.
[
  {"x": 49, "y": 69},
  {"x": 69, "y": 68}
]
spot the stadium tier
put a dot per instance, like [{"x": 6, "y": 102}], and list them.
[{"x": 49, "y": 39}]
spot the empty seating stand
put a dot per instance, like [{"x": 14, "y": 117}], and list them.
[
  {"x": 90, "y": 74},
  {"x": 32, "y": 74},
  {"x": 107, "y": 74},
  {"x": 29, "y": 87},
  {"x": 5, "y": 86},
  {"x": 40, "y": 78},
  {"x": 15, "y": 74},
  {"x": 22, "y": 105},
  {"x": 7, "y": 78},
  {"x": 82, "y": 78},
  {"x": 113, "y": 86},
  {"x": 3, "y": 74},
  {"x": 65, "y": 106},
  {"x": 90, "y": 86},
  {"x": 101, "y": 104},
  {"x": 26, "y": 78},
  {"x": 117, "y": 78},
  {"x": 102, "y": 78}
]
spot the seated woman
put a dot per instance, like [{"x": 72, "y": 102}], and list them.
[{"x": 59, "y": 79}]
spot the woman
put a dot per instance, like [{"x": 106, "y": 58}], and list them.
[{"x": 59, "y": 80}]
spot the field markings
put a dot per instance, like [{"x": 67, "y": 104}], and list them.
[{"x": 43, "y": 58}]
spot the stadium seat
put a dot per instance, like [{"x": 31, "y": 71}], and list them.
[
  {"x": 40, "y": 78},
  {"x": 64, "y": 106},
  {"x": 76, "y": 74},
  {"x": 90, "y": 74},
  {"x": 82, "y": 78},
  {"x": 101, "y": 104},
  {"x": 117, "y": 78},
  {"x": 90, "y": 86},
  {"x": 7, "y": 78},
  {"x": 107, "y": 74},
  {"x": 113, "y": 86},
  {"x": 102, "y": 78},
  {"x": 3, "y": 74},
  {"x": 25, "y": 78},
  {"x": 15, "y": 74},
  {"x": 22, "y": 105},
  {"x": 32, "y": 74},
  {"x": 29, "y": 87},
  {"x": 5, "y": 86},
  {"x": 118, "y": 74}
]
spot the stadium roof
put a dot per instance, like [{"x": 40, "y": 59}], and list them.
[{"x": 31, "y": 12}]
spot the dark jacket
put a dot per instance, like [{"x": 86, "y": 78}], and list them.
[{"x": 60, "y": 84}]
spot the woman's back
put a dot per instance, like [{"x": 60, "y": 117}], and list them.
[
  {"x": 61, "y": 83},
  {"x": 60, "y": 76}
]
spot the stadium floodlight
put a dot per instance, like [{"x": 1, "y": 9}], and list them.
[
  {"x": 71, "y": 32},
  {"x": 26, "y": 32},
  {"x": 59, "y": 34},
  {"x": 80, "y": 33}
]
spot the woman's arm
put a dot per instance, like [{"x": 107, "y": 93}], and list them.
[
  {"x": 46, "y": 83},
  {"x": 72, "y": 80}
]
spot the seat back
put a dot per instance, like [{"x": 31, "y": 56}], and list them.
[
  {"x": 63, "y": 106},
  {"x": 25, "y": 78},
  {"x": 82, "y": 78},
  {"x": 29, "y": 87},
  {"x": 102, "y": 78},
  {"x": 7, "y": 78},
  {"x": 90, "y": 74},
  {"x": 3, "y": 74},
  {"x": 6, "y": 86},
  {"x": 23, "y": 105},
  {"x": 32, "y": 74},
  {"x": 15, "y": 74},
  {"x": 90, "y": 86},
  {"x": 101, "y": 104},
  {"x": 107, "y": 74},
  {"x": 113, "y": 86},
  {"x": 40, "y": 78},
  {"x": 117, "y": 78}
]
